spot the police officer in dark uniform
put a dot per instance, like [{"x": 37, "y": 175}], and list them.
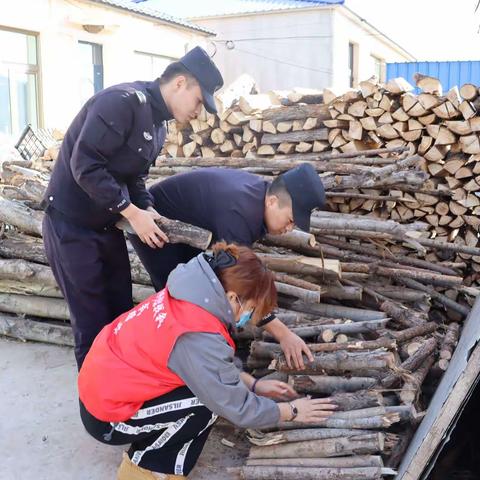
[
  {"x": 100, "y": 176},
  {"x": 236, "y": 206}
]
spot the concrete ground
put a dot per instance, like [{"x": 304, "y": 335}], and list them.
[{"x": 41, "y": 435}]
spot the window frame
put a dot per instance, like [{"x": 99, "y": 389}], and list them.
[{"x": 28, "y": 69}]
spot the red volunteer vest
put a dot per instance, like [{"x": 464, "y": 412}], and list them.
[{"x": 127, "y": 363}]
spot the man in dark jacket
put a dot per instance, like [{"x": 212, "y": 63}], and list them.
[
  {"x": 100, "y": 177},
  {"x": 236, "y": 206}
]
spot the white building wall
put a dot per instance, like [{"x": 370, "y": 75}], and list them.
[
  {"x": 319, "y": 53},
  {"x": 280, "y": 50},
  {"x": 58, "y": 24},
  {"x": 349, "y": 28}
]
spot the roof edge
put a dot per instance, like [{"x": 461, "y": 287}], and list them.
[{"x": 155, "y": 15}]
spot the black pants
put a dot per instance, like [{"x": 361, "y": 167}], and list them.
[
  {"x": 92, "y": 270},
  {"x": 159, "y": 262},
  {"x": 166, "y": 435}
]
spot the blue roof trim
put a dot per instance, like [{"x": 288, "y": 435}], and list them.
[{"x": 152, "y": 13}]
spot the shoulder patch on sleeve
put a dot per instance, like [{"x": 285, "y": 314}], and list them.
[{"x": 141, "y": 97}]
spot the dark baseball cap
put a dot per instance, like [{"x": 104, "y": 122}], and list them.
[
  {"x": 307, "y": 192},
  {"x": 201, "y": 66}
]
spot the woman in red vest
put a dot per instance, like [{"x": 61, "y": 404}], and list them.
[{"x": 159, "y": 375}]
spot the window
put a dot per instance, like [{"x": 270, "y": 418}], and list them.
[
  {"x": 91, "y": 70},
  {"x": 352, "y": 64},
  {"x": 379, "y": 68},
  {"x": 149, "y": 66},
  {"x": 18, "y": 81}
]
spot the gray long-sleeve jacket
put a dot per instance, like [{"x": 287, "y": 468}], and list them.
[{"x": 205, "y": 361}]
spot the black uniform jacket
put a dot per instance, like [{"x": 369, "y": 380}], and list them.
[{"x": 106, "y": 154}]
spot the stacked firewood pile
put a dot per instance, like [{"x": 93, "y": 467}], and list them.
[
  {"x": 379, "y": 297},
  {"x": 442, "y": 128}
]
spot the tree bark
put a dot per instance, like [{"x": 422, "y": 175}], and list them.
[
  {"x": 371, "y": 326},
  {"x": 295, "y": 112},
  {"x": 327, "y": 269},
  {"x": 26, "y": 329},
  {"x": 298, "y": 292},
  {"x": 333, "y": 311},
  {"x": 443, "y": 299},
  {"x": 409, "y": 333},
  {"x": 269, "y": 350},
  {"x": 412, "y": 363},
  {"x": 45, "y": 307},
  {"x": 275, "y": 437},
  {"x": 329, "y": 384},
  {"x": 332, "y": 462},
  {"x": 339, "y": 361},
  {"x": 18, "y": 215},
  {"x": 309, "y": 473},
  {"x": 177, "y": 232},
  {"x": 362, "y": 444}
]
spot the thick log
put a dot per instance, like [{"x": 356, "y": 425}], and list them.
[
  {"x": 325, "y": 269},
  {"x": 333, "y": 311},
  {"x": 373, "y": 422},
  {"x": 275, "y": 437},
  {"x": 16, "y": 245},
  {"x": 177, "y": 232},
  {"x": 374, "y": 176},
  {"x": 32, "y": 305},
  {"x": 409, "y": 333},
  {"x": 297, "y": 282},
  {"x": 295, "y": 238},
  {"x": 333, "y": 462},
  {"x": 26, "y": 329},
  {"x": 362, "y": 444},
  {"x": 401, "y": 294},
  {"x": 298, "y": 292},
  {"x": 21, "y": 194},
  {"x": 294, "y": 112},
  {"x": 339, "y": 361},
  {"x": 341, "y": 292},
  {"x": 329, "y": 384},
  {"x": 310, "y": 473},
  {"x": 340, "y": 222},
  {"x": 18, "y": 215},
  {"x": 403, "y": 316},
  {"x": 358, "y": 400}
]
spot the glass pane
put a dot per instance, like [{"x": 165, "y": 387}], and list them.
[
  {"x": 87, "y": 80},
  {"x": 18, "y": 48},
  {"x": 24, "y": 100},
  {"x": 5, "y": 125}
]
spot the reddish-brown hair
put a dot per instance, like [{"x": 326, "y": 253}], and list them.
[{"x": 249, "y": 279}]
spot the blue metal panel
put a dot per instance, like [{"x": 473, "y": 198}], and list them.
[{"x": 449, "y": 73}]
